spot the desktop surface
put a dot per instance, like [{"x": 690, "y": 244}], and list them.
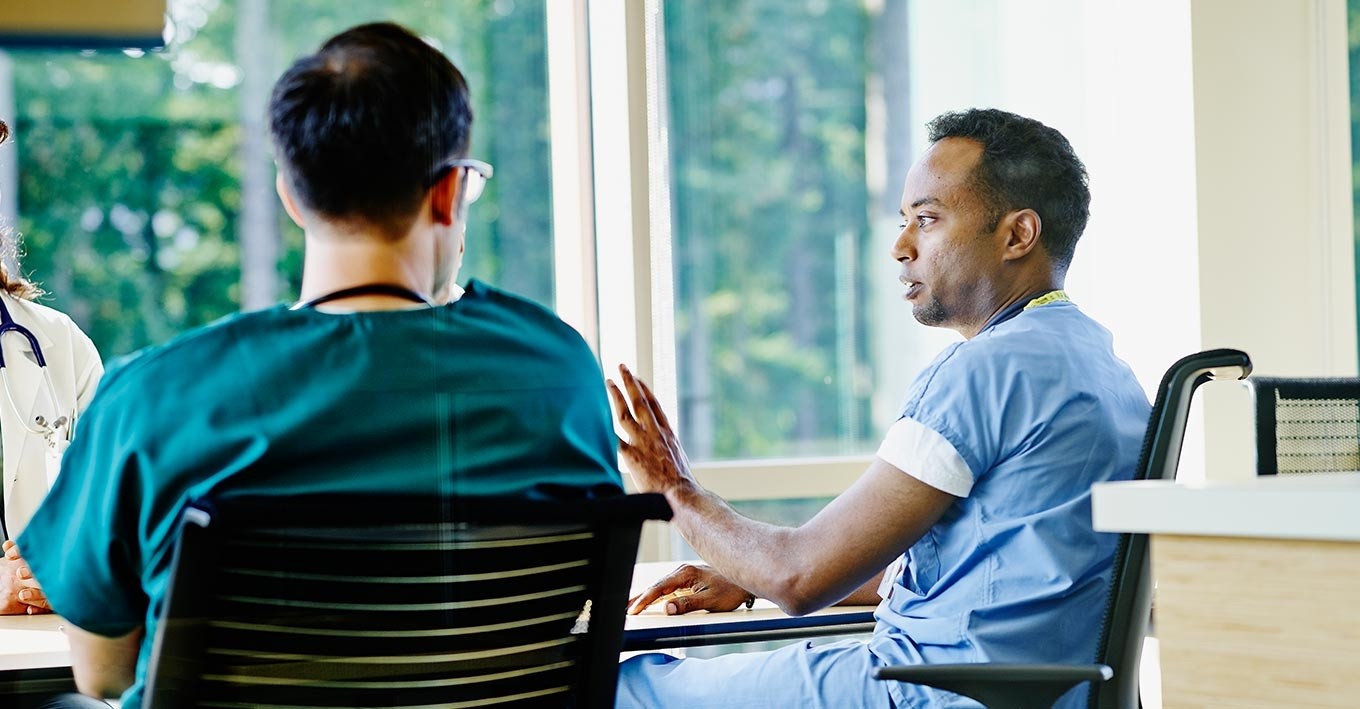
[
  {"x": 653, "y": 629},
  {"x": 37, "y": 641},
  {"x": 32, "y": 642}
]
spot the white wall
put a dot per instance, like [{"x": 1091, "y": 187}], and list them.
[
  {"x": 1115, "y": 79},
  {"x": 1216, "y": 134},
  {"x": 1272, "y": 148}
]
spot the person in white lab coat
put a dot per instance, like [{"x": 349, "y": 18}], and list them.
[{"x": 39, "y": 407}]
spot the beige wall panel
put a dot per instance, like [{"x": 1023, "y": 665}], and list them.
[{"x": 1272, "y": 158}]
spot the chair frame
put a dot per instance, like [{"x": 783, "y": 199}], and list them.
[
  {"x": 615, "y": 521},
  {"x": 1026, "y": 686}
]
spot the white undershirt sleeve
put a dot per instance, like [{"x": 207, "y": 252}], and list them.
[{"x": 924, "y": 454}]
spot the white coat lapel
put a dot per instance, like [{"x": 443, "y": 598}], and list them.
[{"x": 27, "y": 386}]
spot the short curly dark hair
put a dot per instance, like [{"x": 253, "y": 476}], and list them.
[{"x": 1025, "y": 165}]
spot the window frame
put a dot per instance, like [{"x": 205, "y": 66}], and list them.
[{"x": 612, "y": 226}]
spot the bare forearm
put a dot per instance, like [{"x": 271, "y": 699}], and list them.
[
  {"x": 767, "y": 560},
  {"x": 840, "y": 553},
  {"x": 847, "y": 543}
]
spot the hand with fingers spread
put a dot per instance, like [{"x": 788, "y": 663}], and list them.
[
  {"x": 19, "y": 591},
  {"x": 651, "y": 450},
  {"x": 708, "y": 591}
]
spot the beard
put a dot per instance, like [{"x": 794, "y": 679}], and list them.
[{"x": 930, "y": 313}]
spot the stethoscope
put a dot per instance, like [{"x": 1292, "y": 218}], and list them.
[{"x": 51, "y": 431}]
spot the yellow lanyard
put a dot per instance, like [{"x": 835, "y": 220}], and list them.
[{"x": 1053, "y": 296}]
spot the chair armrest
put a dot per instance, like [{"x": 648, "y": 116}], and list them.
[{"x": 997, "y": 685}]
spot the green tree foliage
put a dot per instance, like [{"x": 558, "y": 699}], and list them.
[
  {"x": 767, "y": 105},
  {"x": 130, "y": 172},
  {"x": 127, "y": 215},
  {"x": 131, "y": 195}
]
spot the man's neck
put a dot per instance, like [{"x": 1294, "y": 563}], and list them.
[
  {"x": 334, "y": 262},
  {"x": 1019, "y": 293}
]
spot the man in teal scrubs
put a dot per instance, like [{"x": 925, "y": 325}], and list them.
[{"x": 367, "y": 385}]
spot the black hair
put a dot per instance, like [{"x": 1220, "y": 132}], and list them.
[
  {"x": 1024, "y": 165},
  {"x": 361, "y": 126}
]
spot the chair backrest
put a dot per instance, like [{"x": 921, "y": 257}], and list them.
[
  {"x": 1130, "y": 600},
  {"x": 397, "y": 601},
  {"x": 1306, "y": 425}
]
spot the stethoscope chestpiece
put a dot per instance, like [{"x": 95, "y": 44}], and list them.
[{"x": 41, "y": 421}]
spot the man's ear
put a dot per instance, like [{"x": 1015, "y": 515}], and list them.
[
  {"x": 290, "y": 206},
  {"x": 1021, "y": 230},
  {"x": 444, "y": 196}
]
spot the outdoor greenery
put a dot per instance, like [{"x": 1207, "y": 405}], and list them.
[
  {"x": 130, "y": 165},
  {"x": 767, "y": 132},
  {"x": 136, "y": 204}
]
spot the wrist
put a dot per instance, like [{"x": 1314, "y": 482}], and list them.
[{"x": 683, "y": 494}]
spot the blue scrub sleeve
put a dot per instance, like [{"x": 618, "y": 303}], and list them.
[{"x": 960, "y": 399}]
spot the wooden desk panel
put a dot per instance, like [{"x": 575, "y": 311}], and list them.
[{"x": 1246, "y": 622}]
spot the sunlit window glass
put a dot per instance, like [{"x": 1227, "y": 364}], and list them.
[
  {"x": 144, "y": 177},
  {"x": 771, "y": 226}
]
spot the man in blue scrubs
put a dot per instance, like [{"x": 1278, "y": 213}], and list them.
[
  {"x": 978, "y": 502},
  {"x": 366, "y": 386}
]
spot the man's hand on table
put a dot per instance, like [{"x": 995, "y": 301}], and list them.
[
  {"x": 19, "y": 591},
  {"x": 700, "y": 589}
]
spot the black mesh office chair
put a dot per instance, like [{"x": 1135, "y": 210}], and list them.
[
  {"x": 396, "y": 601},
  {"x": 1119, "y": 650},
  {"x": 1306, "y": 425}
]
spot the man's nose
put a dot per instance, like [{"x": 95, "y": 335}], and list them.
[{"x": 904, "y": 248}]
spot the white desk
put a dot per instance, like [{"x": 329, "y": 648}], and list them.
[
  {"x": 35, "y": 658},
  {"x": 35, "y": 642},
  {"x": 653, "y": 629},
  {"x": 32, "y": 642},
  {"x": 1258, "y": 586},
  {"x": 1320, "y": 506}
]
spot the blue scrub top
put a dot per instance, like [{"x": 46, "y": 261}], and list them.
[
  {"x": 1018, "y": 423},
  {"x": 489, "y": 395},
  {"x": 1039, "y": 409}
]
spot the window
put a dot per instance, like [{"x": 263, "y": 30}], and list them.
[
  {"x": 712, "y": 197},
  {"x": 145, "y": 187},
  {"x": 783, "y": 132},
  {"x": 767, "y": 105}
]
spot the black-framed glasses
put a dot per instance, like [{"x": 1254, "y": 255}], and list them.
[{"x": 475, "y": 175}]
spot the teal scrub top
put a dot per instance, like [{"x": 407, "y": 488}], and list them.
[{"x": 489, "y": 395}]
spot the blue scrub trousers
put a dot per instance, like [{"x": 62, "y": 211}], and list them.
[{"x": 834, "y": 675}]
